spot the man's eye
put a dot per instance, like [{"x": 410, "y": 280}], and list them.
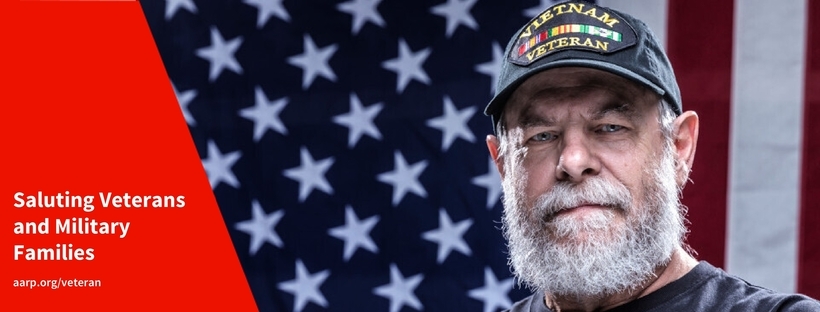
[
  {"x": 543, "y": 136},
  {"x": 611, "y": 128}
]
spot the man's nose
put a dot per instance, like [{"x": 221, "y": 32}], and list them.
[{"x": 578, "y": 160}]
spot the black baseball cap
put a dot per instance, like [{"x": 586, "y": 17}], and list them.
[{"x": 583, "y": 34}]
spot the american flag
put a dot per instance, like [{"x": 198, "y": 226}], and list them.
[{"x": 344, "y": 141}]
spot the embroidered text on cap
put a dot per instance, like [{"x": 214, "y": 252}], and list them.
[{"x": 571, "y": 26}]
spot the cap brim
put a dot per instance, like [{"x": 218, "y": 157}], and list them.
[{"x": 495, "y": 106}]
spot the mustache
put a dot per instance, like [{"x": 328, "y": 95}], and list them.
[{"x": 592, "y": 191}]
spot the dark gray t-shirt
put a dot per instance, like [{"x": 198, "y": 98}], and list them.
[{"x": 705, "y": 288}]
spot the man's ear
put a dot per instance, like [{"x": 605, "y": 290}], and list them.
[
  {"x": 686, "y": 141},
  {"x": 492, "y": 145}
]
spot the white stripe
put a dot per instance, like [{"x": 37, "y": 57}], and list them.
[
  {"x": 651, "y": 12},
  {"x": 764, "y": 171}
]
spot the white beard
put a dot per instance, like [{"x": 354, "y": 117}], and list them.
[{"x": 592, "y": 257}]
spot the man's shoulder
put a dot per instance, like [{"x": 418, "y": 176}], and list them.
[
  {"x": 757, "y": 298},
  {"x": 705, "y": 288},
  {"x": 721, "y": 291}
]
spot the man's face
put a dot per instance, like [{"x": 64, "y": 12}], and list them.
[
  {"x": 589, "y": 183},
  {"x": 579, "y": 124}
]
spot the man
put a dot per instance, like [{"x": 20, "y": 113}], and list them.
[{"x": 593, "y": 147}]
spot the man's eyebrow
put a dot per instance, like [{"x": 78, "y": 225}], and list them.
[
  {"x": 527, "y": 119},
  {"x": 618, "y": 108}
]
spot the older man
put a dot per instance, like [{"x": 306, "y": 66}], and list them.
[{"x": 594, "y": 148}]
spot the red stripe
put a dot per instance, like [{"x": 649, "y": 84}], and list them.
[
  {"x": 699, "y": 42},
  {"x": 808, "y": 278}
]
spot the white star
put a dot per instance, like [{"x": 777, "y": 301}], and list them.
[
  {"x": 449, "y": 236},
  {"x": 492, "y": 68},
  {"x": 265, "y": 114},
  {"x": 310, "y": 174},
  {"x": 305, "y": 287},
  {"x": 220, "y": 54},
  {"x": 536, "y": 10},
  {"x": 359, "y": 121},
  {"x": 184, "y": 98},
  {"x": 492, "y": 182},
  {"x": 363, "y": 11},
  {"x": 404, "y": 178},
  {"x": 355, "y": 233},
  {"x": 453, "y": 124},
  {"x": 314, "y": 61},
  {"x": 400, "y": 290},
  {"x": 266, "y": 8},
  {"x": 494, "y": 293},
  {"x": 172, "y": 6},
  {"x": 457, "y": 12},
  {"x": 408, "y": 66},
  {"x": 218, "y": 166},
  {"x": 261, "y": 227}
]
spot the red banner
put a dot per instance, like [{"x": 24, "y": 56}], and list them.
[{"x": 107, "y": 204}]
